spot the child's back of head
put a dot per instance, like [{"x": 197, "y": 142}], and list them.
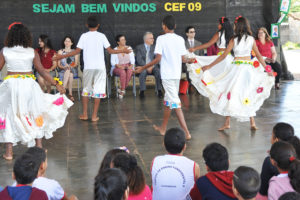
[
  {"x": 92, "y": 21},
  {"x": 174, "y": 140},
  {"x": 25, "y": 169},
  {"x": 216, "y": 157},
  {"x": 246, "y": 182},
  {"x": 135, "y": 176},
  {"x": 111, "y": 184},
  {"x": 38, "y": 153},
  {"x": 284, "y": 157},
  {"x": 169, "y": 22},
  {"x": 108, "y": 158},
  {"x": 290, "y": 196}
]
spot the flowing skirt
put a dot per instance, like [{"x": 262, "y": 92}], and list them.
[
  {"x": 234, "y": 88},
  {"x": 27, "y": 113}
]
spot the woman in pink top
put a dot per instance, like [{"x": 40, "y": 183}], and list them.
[
  {"x": 267, "y": 49},
  {"x": 122, "y": 65},
  {"x": 283, "y": 157},
  {"x": 138, "y": 190}
]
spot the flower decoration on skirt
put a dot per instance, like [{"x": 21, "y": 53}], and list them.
[
  {"x": 246, "y": 101},
  {"x": 203, "y": 82},
  {"x": 195, "y": 61},
  {"x": 260, "y": 90},
  {"x": 59, "y": 101},
  {"x": 2, "y": 124},
  {"x": 274, "y": 74},
  {"x": 28, "y": 121},
  {"x": 198, "y": 70},
  {"x": 256, "y": 64},
  {"x": 268, "y": 68},
  {"x": 39, "y": 121},
  {"x": 228, "y": 95}
]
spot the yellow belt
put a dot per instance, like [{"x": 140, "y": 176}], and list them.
[
  {"x": 23, "y": 76},
  {"x": 239, "y": 62}
]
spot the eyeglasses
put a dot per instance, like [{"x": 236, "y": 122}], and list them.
[{"x": 192, "y": 32}]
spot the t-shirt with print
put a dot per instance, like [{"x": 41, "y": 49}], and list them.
[
  {"x": 171, "y": 47},
  {"x": 93, "y": 44}
]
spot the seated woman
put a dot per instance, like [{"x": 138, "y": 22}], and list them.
[
  {"x": 68, "y": 66},
  {"x": 267, "y": 49},
  {"x": 46, "y": 54},
  {"x": 122, "y": 65}
]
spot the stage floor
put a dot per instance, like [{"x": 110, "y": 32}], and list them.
[{"x": 76, "y": 150}]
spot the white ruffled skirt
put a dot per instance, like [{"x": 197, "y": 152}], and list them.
[
  {"x": 234, "y": 88},
  {"x": 27, "y": 113}
]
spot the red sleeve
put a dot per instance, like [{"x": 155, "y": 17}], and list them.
[
  {"x": 53, "y": 52},
  {"x": 195, "y": 194},
  {"x": 271, "y": 44}
]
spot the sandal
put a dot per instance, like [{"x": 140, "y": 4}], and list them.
[{"x": 71, "y": 97}]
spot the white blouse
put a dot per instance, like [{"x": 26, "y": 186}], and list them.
[{"x": 18, "y": 58}]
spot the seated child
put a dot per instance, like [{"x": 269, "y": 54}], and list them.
[
  {"x": 111, "y": 184},
  {"x": 283, "y": 157},
  {"x": 281, "y": 132},
  {"x": 290, "y": 196},
  {"x": 217, "y": 183},
  {"x": 246, "y": 183},
  {"x": 173, "y": 175},
  {"x": 138, "y": 190},
  {"x": 51, "y": 187},
  {"x": 25, "y": 172}
]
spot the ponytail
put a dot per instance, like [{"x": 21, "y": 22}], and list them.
[
  {"x": 294, "y": 140},
  {"x": 294, "y": 174},
  {"x": 226, "y": 29}
]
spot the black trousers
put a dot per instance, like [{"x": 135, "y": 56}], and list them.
[{"x": 276, "y": 68}]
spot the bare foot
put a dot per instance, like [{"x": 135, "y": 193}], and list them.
[
  {"x": 7, "y": 157},
  {"x": 160, "y": 129},
  {"x": 95, "y": 119},
  {"x": 83, "y": 117},
  {"x": 224, "y": 128},
  {"x": 254, "y": 127}
]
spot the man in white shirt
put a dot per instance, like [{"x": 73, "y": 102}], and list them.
[
  {"x": 93, "y": 44},
  {"x": 170, "y": 51}
]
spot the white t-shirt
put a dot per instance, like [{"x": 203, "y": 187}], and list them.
[
  {"x": 172, "y": 177},
  {"x": 171, "y": 47},
  {"x": 93, "y": 43},
  {"x": 52, "y": 188}
]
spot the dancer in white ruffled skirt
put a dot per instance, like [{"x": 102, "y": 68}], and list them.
[
  {"x": 27, "y": 114},
  {"x": 236, "y": 87}
]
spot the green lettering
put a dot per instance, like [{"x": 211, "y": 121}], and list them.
[
  {"x": 45, "y": 8},
  {"x": 152, "y": 7},
  {"x": 36, "y": 8},
  {"x": 116, "y": 7},
  {"x": 128, "y": 7},
  {"x": 136, "y": 7},
  {"x": 60, "y": 9},
  {"x": 70, "y": 8},
  {"x": 53, "y": 10},
  {"x": 101, "y": 8},
  {"x": 144, "y": 7},
  {"x": 84, "y": 8}
]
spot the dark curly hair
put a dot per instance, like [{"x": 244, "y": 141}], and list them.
[{"x": 18, "y": 35}]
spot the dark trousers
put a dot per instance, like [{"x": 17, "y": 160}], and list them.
[
  {"x": 276, "y": 68},
  {"x": 143, "y": 75}
]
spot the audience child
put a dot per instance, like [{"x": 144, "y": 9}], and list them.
[
  {"x": 109, "y": 157},
  {"x": 217, "y": 183},
  {"x": 138, "y": 190},
  {"x": 246, "y": 183},
  {"x": 281, "y": 132},
  {"x": 290, "y": 196},
  {"x": 173, "y": 175},
  {"x": 25, "y": 171},
  {"x": 283, "y": 157},
  {"x": 111, "y": 184},
  {"x": 51, "y": 187}
]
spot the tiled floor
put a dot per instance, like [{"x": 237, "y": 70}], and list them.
[{"x": 76, "y": 150}]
